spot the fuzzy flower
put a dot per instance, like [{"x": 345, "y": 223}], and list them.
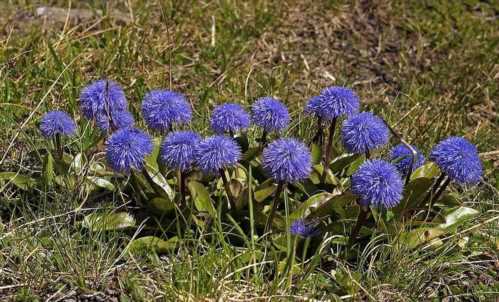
[
  {"x": 402, "y": 156},
  {"x": 458, "y": 158},
  {"x": 101, "y": 97},
  {"x": 57, "y": 122},
  {"x": 127, "y": 148},
  {"x": 312, "y": 106},
  {"x": 217, "y": 152},
  {"x": 363, "y": 132},
  {"x": 177, "y": 150},
  {"x": 229, "y": 118},
  {"x": 336, "y": 101},
  {"x": 287, "y": 160},
  {"x": 302, "y": 228},
  {"x": 270, "y": 114},
  {"x": 378, "y": 183},
  {"x": 118, "y": 119},
  {"x": 163, "y": 108}
]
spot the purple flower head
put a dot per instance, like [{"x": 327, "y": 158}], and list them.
[
  {"x": 229, "y": 118},
  {"x": 313, "y": 107},
  {"x": 101, "y": 97},
  {"x": 287, "y": 160},
  {"x": 336, "y": 101},
  {"x": 57, "y": 122},
  {"x": 270, "y": 114},
  {"x": 378, "y": 183},
  {"x": 364, "y": 132},
  {"x": 458, "y": 158},
  {"x": 127, "y": 148},
  {"x": 302, "y": 228},
  {"x": 118, "y": 119},
  {"x": 178, "y": 150},
  {"x": 217, "y": 152},
  {"x": 402, "y": 158},
  {"x": 163, "y": 108}
]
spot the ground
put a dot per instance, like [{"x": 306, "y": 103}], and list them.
[{"x": 431, "y": 68}]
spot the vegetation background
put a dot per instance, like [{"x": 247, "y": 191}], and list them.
[{"x": 429, "y": 67}]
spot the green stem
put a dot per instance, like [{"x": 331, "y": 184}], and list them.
[
  {"x": 59, "y": 147},
  {"x": 227, "y": 190},
  {"x": 361, "y": 220},
  {"x": 328, "y": 150},
  {"x": 268, "y": 225}
]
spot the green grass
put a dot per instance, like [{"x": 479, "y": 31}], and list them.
[{"x": 428, "y": 67}]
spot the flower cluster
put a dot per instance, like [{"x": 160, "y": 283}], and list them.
[
  {"x": 334, "y": 102},
  {"x": 57, "y": 123},
  {"x": 287, "y": 160},
  {"x": 162, "y": 109},
  {"x": 229, "y": 118},
  {"x": 127, "y": 148},
  {"x": 270, "y": 114},
  {"x": 403, "y": 158},
  {"x": 364, "y": 132}
]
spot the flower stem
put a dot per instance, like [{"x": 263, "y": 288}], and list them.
[
  {"x": 263, "y": 140},
  {"x": 439, "y": 192},
  {"x": 58, "y": 146},
  {"x": 318, "y": 137},
  {"x": 430, "y": 195},
  {"x": 227, "y": 189},
  {"x": 268, "y": 225},
  {"x": 181, "y": 188},
  {"x": 361, "y": 220},
  {"x": 328, "y": 152}
]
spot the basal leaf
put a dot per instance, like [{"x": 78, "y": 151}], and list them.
[
  {"x": 201, "y": 197},
  {"x": 108, "y": 221},
  {"x": 153, "y": 244},
  {"x": 23, "y": 182},
  {"x": 428, "y": 170}
]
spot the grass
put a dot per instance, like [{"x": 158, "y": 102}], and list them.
[{"x": 429, "y": 67}]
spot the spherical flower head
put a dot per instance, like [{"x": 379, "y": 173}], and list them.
[
  {"x": 336, "y": 101},
  {"x": 178, "y": 150},
  {"x": 377, "y": 183},
  {"x": 287, "y": 160},
  {"x": 313, "y": 106},
  {"x": 163, "y": 108},
  {"x": 117, "y": 119},
  {"x": 458, "y": 158},
  {"x": 57, "y": 122},
  {"x": 402, "y": 157},
  {"x": 302, "y": 228},
  {"x": 217, "y": 152},
  {"x": 127, "y": 148},
  {"x": 101, "y": 97},
  {"x": 229, "y": 118},
  {"x": 270, "y": 114},
  {"x": 364, "y": 132}
]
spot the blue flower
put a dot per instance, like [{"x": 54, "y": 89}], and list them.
[
  {"x": 313, "y": 107},
  {"x": 178, "y": 150},
  {"x": 270, "y": 114},
  {"x": 229, "y": 118},
  {"x": 101, "y": 97},
  {"x": 163, "y": 108},
  {"x": 57, "y": 122},
  {"x": 287, "y": 160},
  {"x": 217, "y": 152},
  {"x": 337, "y": 101},
  {"x": 458, "y": 158},
  {"x": 127, "y": 148},
  {"x": 119, "y": 119},
  {"x": 300, "y": 227},
  {"x": 377, "y": 183},
  {"x": 363, "y": 132},
  {"x": 402, "y": 156}
]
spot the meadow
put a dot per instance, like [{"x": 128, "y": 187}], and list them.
[{"x": 429, "y": 68}]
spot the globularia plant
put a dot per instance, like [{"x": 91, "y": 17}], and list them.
[{"x": 361, "y": 183}]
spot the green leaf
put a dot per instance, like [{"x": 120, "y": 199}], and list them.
[
  {"x": 340, "y": 162},
  {"x": 311, "y": 203},
  {"x": 201, "y": 197},
  {"x": 153, "y": 244},
  {"x": 337, "y": 204},
  {"x": 102, "y": 183},
  {"x": 162, "y": 204},
  {"x": 108, "y": 221},
  {"x": 77, "y": 163},
  {"x": 159, "y": 180},
  {"x": 23, "y": 182},
  {"x": 354, "y": 166},
  {"x": 413, "y": 193},
  {"x": 428, "y": 170},
  {"x": 316, "y": 153},
  {"x": 458, "y": 217},
  {"x": 48, "y": 169},
  {"x": 265, "y": 190},
  {"x": 416, "y": 237}
]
